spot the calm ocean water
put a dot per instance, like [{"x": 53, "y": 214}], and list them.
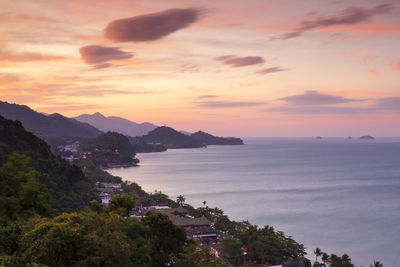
[{"x": 340, "y": 195}]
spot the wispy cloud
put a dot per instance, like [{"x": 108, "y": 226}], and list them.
[
  {"x": 99, "y": 56},
  {"x": 207, "y": 96},
  {"x": 228, "y": 104},
  {"x": 324, "y": 104},
  {"x": 316, "y": 98},
  {"x": 150, "y": 27},
  {"x": 27, "y": 57},
  {"x": 388, "y": 104},
  {"x": 189, "y": 67},
  {"x": 349, "y": 16},
  {"x": 236, "y": 61},
  {"x": 270, "y": 70},
  {"x": 317, "y": 110}
]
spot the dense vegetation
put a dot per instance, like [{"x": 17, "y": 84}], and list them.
[
  {"x": 110, "y": 141},
  {"x": 69, "y": 187},
  {"x": 52, "y": 125},
  {"x": 33, "y": 234}
]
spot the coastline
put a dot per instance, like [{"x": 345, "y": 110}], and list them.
[{"x": 206, "y": 174}]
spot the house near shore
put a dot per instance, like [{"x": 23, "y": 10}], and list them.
[
  {"x": 105, "y": 198},
  {"x": 199, "y": 228}
]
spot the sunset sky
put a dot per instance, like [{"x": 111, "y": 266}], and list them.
[{"x": 242, "y": 68}]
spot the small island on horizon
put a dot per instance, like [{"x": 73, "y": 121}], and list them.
[{"x": 367, "y": 137}]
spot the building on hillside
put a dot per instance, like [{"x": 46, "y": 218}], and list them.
[
  {"x": 105, "y": 198},
  {"x": 200, "y": 228}
]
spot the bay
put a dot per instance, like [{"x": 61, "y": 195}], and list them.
[{"x": 337, "y": 194}]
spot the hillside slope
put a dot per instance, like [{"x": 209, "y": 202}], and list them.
[
  {"x": 51, "y": 125},
  {"x": 116, "y": 124},
  {"x": 70, "y": 189}
]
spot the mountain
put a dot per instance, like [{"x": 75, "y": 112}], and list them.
[
  {"x": 70, "y": 189},
  {"x": 209, "y": 139},
  {"x": 51, "y": 125},
  {"x": 169, "y": 138},
  {"x": 116, "y": 124}
]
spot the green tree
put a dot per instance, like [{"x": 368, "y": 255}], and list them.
[
  {"x": 166, "y": 238},
  {"x": 87, "y": 239},
  {"x": 96, "y": 206},
  {"x": 231, "y": 250},
  {"x": 196, "y": 256},
  {"x": 121, "y": 204},
  {"x": 20, "y": 193}
]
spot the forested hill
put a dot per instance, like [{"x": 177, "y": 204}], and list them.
[
  {"x": 69, "y": 187},
  {"x": 171, "y": 138},
  {"x": 52, "y": 125},
  {"x": 168, "y": 137},
  {"x": 209, "y": 139}
]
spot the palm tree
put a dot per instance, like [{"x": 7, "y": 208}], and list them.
[
  {"x": 181, "y": 200},
  {"x": 376, "y": 264},
  {"x": 325, "y": 258},
  {"x": 334, "y": 261},
  {"x": 204, "y": 203},
  {"x": 317, "y": 252},
  {"x": 346, "y": 261}
]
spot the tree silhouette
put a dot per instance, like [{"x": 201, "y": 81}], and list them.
[
  {"x": 317, "y": 252},
  {"x": 376, "y": 264},
  {"x": 181, "y": 200}
]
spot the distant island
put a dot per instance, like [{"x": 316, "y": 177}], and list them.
[
  {"x": 367, "y": 137},
  {"x": 318, "y": 137},
  {"x": 170, "y": 138}
]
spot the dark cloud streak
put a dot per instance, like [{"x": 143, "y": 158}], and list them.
[
  {"x": 228, "y": 104},
  {"x": 98, "y": 55},
  {"x": 270, "y": 70},
  {"x": 152, "y": 26},
  {"x": 236, "y": 62},
  {"x": 315, "y": 98},
  {"x": 349, "y": 16}
]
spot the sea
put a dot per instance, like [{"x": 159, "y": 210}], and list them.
[{"x": 341, "y": 195}]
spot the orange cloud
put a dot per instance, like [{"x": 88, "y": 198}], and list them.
[
  {"x": 395, "y": 64},
  {"x": 359, "y": 53},
  {"x": 373, "y": 72},
  {"x": 8, "y": 59}
]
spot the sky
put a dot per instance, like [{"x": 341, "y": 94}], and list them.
[{"x": 249, "y": 68}]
